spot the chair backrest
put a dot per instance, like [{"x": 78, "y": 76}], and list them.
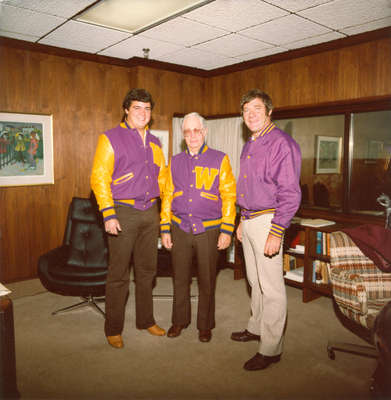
[
  {"x": 359, "y": 288},
  {"x": 85, "y": 235}
]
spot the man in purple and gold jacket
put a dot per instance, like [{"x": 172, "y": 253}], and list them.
[
  {"x": 127, "y": 177},
  {"x": 269, "y": 195},
  {"x": 198, "y": 213}
]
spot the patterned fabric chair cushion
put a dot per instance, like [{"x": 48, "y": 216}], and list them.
[{"x": 360, "y": 288}]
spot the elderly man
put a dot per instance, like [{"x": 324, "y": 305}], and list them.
[
  {"x": 127, "y": 177},
  {"x": 197, "y": 216},
  {"x": 269, "y": 196}
]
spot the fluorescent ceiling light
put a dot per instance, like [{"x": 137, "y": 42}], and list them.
[{"x": 136, "y": 15}]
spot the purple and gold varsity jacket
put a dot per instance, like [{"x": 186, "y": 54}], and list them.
[
  {"x": 199, "y": 193},
  {"x": 125, "y": 172},
  {"x": 269, "y": 179}
]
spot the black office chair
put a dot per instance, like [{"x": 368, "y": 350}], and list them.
[{"x": 79, "y": 266}]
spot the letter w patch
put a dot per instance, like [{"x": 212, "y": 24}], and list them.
[{"x": 204, "y": 177}]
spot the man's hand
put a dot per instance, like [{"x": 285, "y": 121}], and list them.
[
  {"x": 272, "y": 246},
  {"x": 239, "y": 231},
  {"x": 166, "y": 241},
  {"x": 224, "y": 241},
  {"x": 112, "y": 226}
]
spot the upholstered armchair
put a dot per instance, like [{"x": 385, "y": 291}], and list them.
[
  {"x": 79, "y": 266},
  {"x": 361, "y": 290}
]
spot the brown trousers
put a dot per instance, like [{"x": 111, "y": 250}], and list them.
[
  {"x": 139, "y": 235},
  {"x": 204, "y": 246}
]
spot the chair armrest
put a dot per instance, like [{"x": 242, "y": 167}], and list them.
[{"x": 349, "y": 291}]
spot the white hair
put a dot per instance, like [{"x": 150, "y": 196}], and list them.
[{"x": 194, "y": 114}]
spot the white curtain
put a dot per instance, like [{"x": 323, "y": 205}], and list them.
[{"x": 224, "y": 134}]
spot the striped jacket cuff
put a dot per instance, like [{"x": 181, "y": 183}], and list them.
[
  {"x": 165, "y": 228},
  {"x": 108, "y": 213},
  {"x": 277, "y": 230},
  {"x": 227, "y": 228}
]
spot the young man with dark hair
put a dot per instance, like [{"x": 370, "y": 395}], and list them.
[
  {"x": 127, "y": 177},
  {"x": 268, "y": 193}
]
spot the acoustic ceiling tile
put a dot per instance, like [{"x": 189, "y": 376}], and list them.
[
  {"x": 60, "y": 8},
  {"x": 26, "y": 22},
  {"x": 232, "y": 45},
  {"x": 262, "y": 53},
  {"x": 314, "y": 40},
  {"x": 370, "y": 26},
  {"x": 76, "y": 35},
  {"x": 198, "y": 59},
  {"x": 235, "y": 15},
  {"x": 19, "y": 36},
  {"x": 341, "y": 14},
  {"x": 296, "y": 5},
  {"x": 133, "y": 47},
  {"x": 285, "y": 30},
  {"x": 184, "y": 32}
]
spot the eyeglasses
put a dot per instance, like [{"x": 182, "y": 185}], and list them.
[{"x": 195, "y": 132}]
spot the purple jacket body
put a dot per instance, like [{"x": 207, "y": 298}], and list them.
[
  {"x": 200, "y": 193},
  {"x": 269, "y": 180}
]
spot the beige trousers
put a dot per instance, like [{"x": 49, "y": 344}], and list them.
[{"x": 268, "y": 294}]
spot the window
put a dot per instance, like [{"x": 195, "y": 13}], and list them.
[
  {"x": 321, "y": 143},
  {"x": 370, "y": 161}
]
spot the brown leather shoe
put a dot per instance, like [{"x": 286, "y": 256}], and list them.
[
  {"x": 156, "y": 330},
  {"x": 115, "y": 341},
  {"x": 244, "y": 336},
  {"x": 205, "y": 335},
  {"x": 175, "y": 330},
  {"x": 259, "y": 361}
]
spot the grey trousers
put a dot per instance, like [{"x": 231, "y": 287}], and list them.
[
  {"x": 205, "y": 247},
  {"x": 268, "y": 294},
  {"x": 139, "y": 235}
]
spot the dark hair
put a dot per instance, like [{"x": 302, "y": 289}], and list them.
[
  {"x": 257, "y": 94},
  {"x": 136, "y": 95}
]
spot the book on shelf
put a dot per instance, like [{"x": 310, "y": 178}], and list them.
[
  {"x": 316, "y": 222},
  {"x": 320, "y": 274},
  {"x": 322, "y": 243},
  {"x": 299, "y": 249},
  {"x": 296, "y": 274},
  {"x": 289, "y": 262}
]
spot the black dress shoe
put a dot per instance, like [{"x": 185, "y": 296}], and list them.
[
  {"x": 205, "y": 335},
  {"x": 259, "y": 361},
  {"x": 244, "y": 336},
  {"x": 175, "y": 330}
]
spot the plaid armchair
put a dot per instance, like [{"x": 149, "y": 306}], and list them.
[{"x": 360, "y": 289}]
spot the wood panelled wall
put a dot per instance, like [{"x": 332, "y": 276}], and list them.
[
  {"x": 85, "y": 99},
  {"x": 354, "y": 72}
]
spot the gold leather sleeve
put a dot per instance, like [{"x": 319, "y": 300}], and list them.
[
  {"x": 101, "y": 175},
  {"x": 167, "y": 196},
  {"x": 158, "y": 159},
  {"x": 227, "y": 190}
]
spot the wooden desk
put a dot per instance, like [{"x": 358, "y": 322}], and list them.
[{"x": 8, "y": 387}]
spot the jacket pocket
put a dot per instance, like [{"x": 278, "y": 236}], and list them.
[
  {"x": 123, "y": 178},
  {"x": 209, "y": 196},
  {"x": 177, "y": 194}
]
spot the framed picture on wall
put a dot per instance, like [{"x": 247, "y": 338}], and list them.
[
  {"x": 328, "y": 155},
  {"x": 26, "y": 149},
  {"x": 164, "y": 137}
]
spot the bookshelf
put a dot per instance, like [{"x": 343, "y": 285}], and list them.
[
  {"x": 306, "y": 236},
  {"x": 315, "y": 256}
]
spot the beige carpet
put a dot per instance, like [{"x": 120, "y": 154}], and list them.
[{"x": 66, "y": 356}]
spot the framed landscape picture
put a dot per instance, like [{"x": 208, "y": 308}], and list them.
[
  {"x": 26, "y": 149},
  {"x": 328, "y": 155}
]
